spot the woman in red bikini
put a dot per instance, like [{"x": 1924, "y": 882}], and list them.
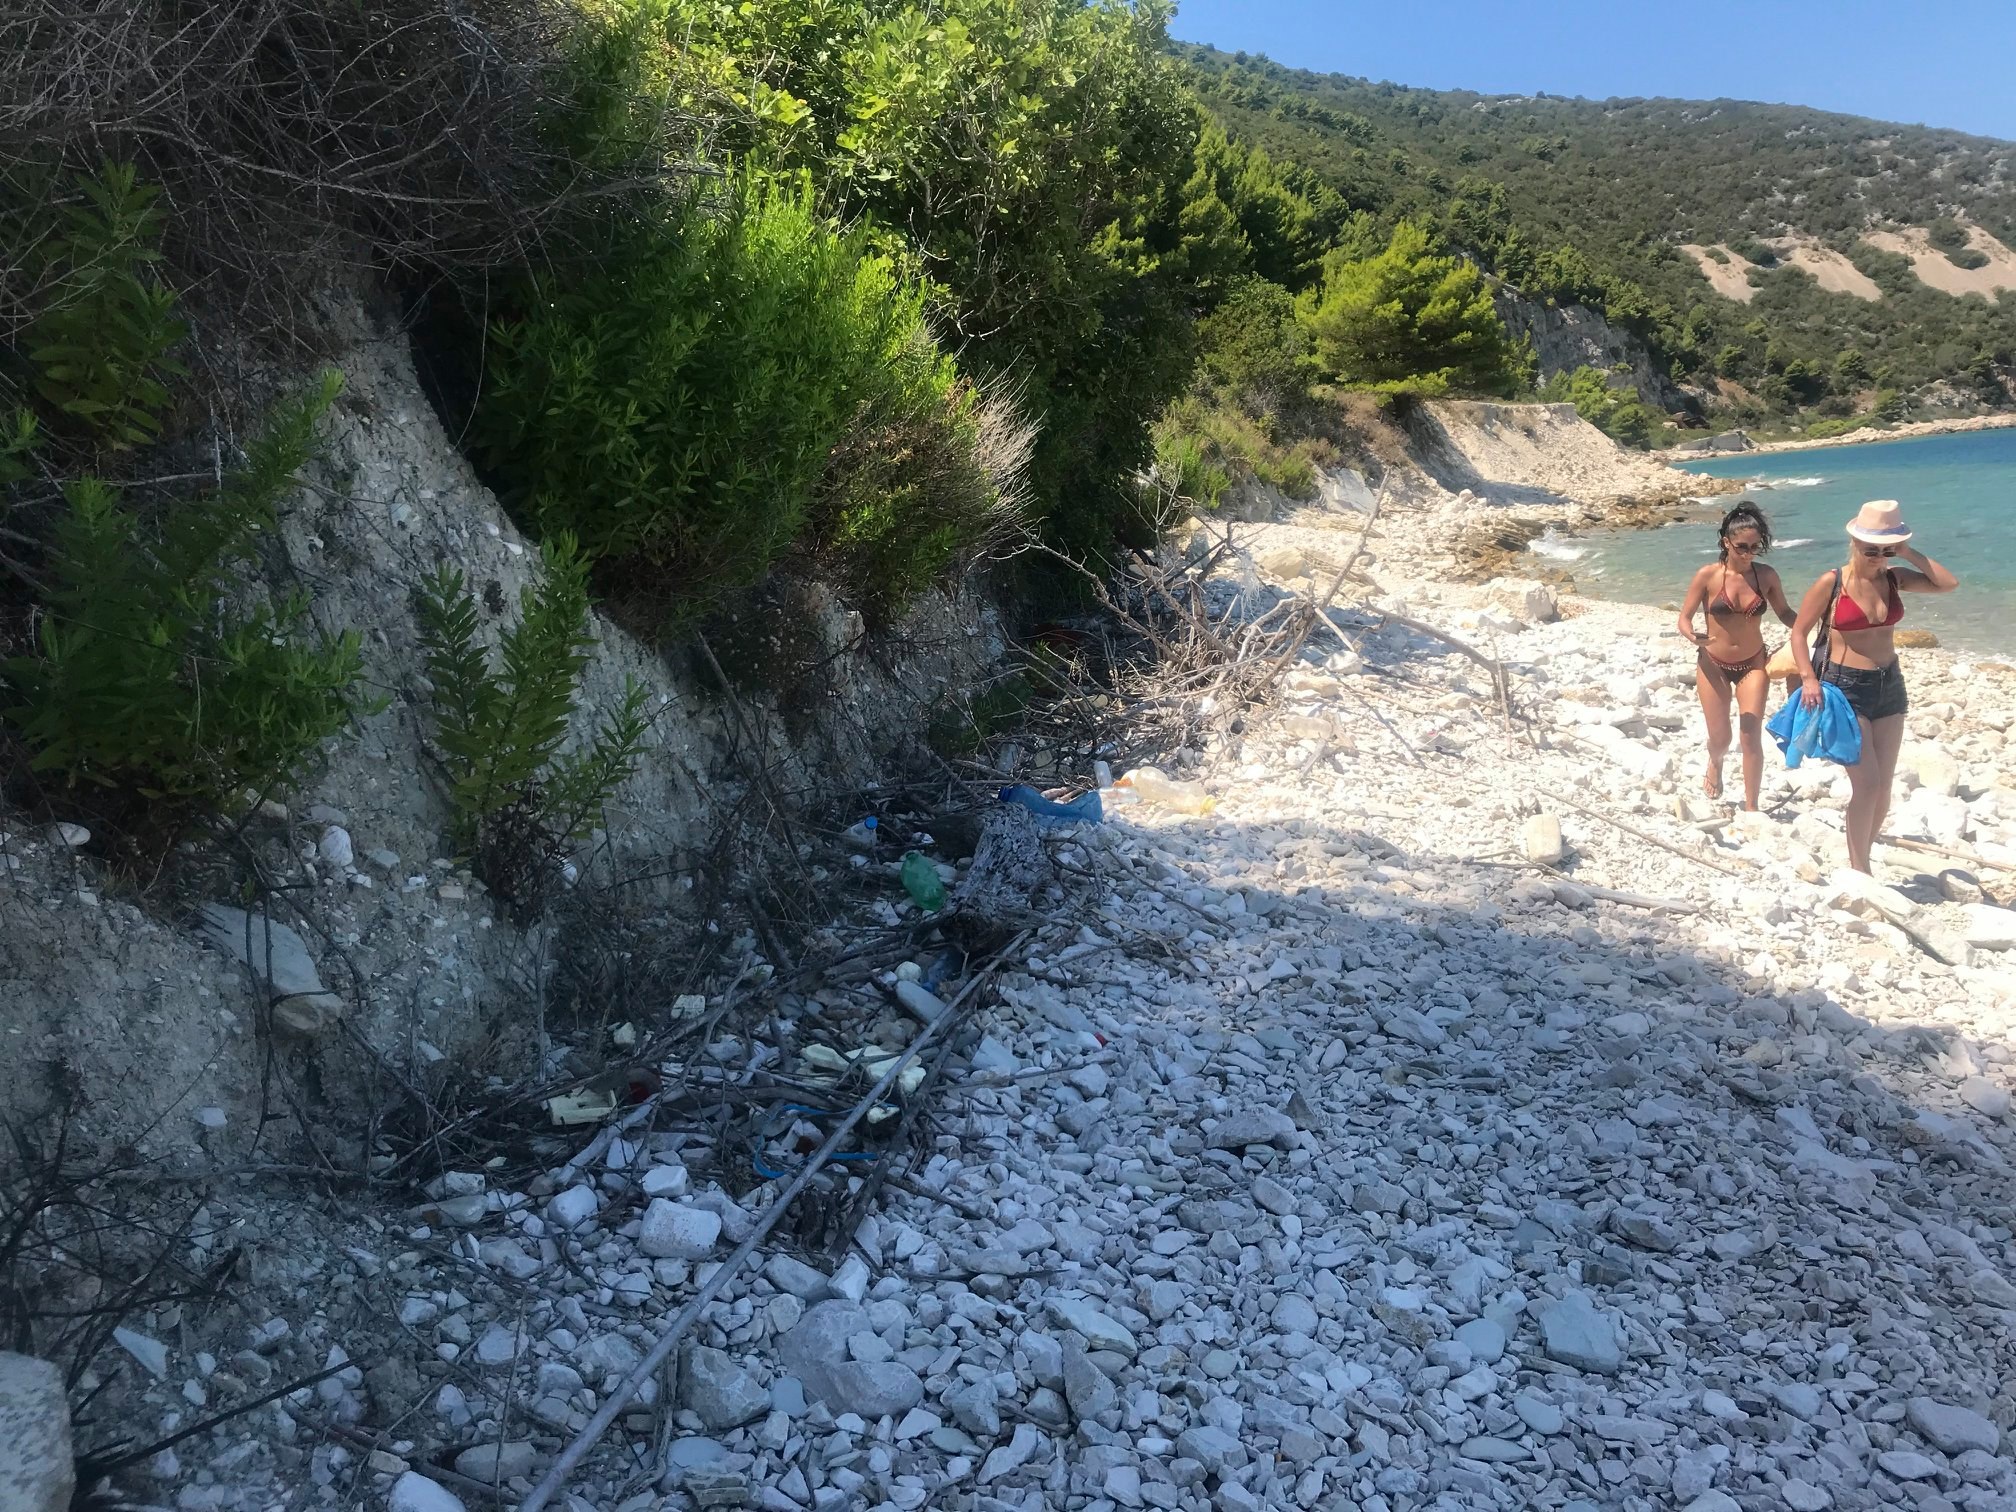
[
  {"x": 1859, "y": 604},
  {"x": 1734, "y": 592}
]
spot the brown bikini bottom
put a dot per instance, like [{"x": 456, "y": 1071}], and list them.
[{"x": 1737, "y": 671}]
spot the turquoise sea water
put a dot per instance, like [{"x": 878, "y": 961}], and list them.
[{"x": 1958, "y": 493}]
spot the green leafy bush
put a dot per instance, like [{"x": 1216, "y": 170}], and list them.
[
  {"x": 678, "y": 409},
  {"x": 1616, "y": 411},
  {"x": 1967, "y": 257},
  {"x": 1204, "y": 443},
  {"x": 929, "y": 471},
  {"x": 520, "y": 805},
  {"x": 1947, "y": 234},
  {"x": 152, "y": 675},
  {"x": 99, "y": 347},
  {"x": 1411, "y": 322},
  {"x": 1254, "y": 349},
  {"x": 1041, "y": 159}
]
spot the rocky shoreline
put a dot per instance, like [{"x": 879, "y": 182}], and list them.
[
  {"x": 1871, "y": 436},
  {"x": 1463, "y": 1112}
]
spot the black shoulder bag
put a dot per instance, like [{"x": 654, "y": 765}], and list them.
[{"x": 1820, "y": 651}]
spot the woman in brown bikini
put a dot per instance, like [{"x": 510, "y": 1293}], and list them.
[
  {"x": 1734, "y": 591},
  {"x": 1860, "y": 603}
]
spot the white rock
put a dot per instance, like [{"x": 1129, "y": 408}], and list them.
[
  {"x": 1011, "y": 1456},
  {"x": 37, "y": 1470},
  {"x": 574, "y": 1206},
  {"x": 413, "y": 1492},
  {"x": 335, "y": 848},
  {"x": 674, "y": 1231},
  {"x": 497, "y": 1464},
  {"x": 150, "y": 1352},
  {"x": 1950, "y": 1429},
  {"x": 1098, "y": 1330},
  {"x": 1575, "y": 1333},
  {"x": 851, "y": 1279},
  {"x": 1990, "y": 928},
  {"x": 1907, "y": 1466},
  {"x": 1985, "y": 1096},
  {"x": 666, "y": 1180},
  {"x": 1541, "y": 840}
]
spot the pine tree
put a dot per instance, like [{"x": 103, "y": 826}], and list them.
[{"x": 1411, "y": 322}]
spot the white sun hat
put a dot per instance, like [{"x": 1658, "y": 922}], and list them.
[{"x": 1881, "y": 523}]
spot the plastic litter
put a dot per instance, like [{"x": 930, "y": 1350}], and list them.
[
  {"x": 769, "y": 1132},
  {"x": 920, "y": 880},
  {"x": 920, "y": 1002},
  {"x": 573, "y": 1108},
  {"x": 1153, "y": 785},
  {"x": 862, "y": 835},
  {"x": 950, "y": 964},
  {"x": 1084, "y": 809},
  {"x": 824, "y": 1063},
  {"x": 1829, "y": 733}
]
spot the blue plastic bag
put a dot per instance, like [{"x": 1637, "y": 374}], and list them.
[
  {"x": 1830, "y": 732},
  {"x": 1084, "y": 809}
]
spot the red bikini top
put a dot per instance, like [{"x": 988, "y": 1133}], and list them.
[{"x": 1848, "y": 614}]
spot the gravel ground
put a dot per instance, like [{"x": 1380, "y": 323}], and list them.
[{"x": 1397, "y": 1134}]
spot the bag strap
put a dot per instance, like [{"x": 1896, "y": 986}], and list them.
[{"x": 1820, "y": 652}]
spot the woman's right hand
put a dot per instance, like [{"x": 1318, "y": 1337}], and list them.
[{"x": 1809, "y": 691}]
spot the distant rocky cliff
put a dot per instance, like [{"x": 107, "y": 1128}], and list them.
[{"x": 1567, "y": 337}]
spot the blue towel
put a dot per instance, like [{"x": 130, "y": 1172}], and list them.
[{"x": 1830, "y": 732}]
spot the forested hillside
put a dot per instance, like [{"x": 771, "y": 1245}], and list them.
[
  {"x": 1834, "y": 242},
  {"x": 854, "y": 290}
]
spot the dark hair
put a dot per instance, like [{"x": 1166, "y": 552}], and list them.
[{"x": 1744, "y": 514}]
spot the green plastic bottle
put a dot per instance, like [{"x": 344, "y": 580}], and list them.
[{"x": 920, "y": 880}]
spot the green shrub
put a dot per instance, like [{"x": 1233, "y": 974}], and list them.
[
  {"x": 1967, "y": 257},
  {"x": 1205, "y": 443},
  {"x": 1254, "y": 348},
  {"x": 1752, "y": 250},
  {"x": 1411, "y": 322},
  {"x": 520, "y": 805},
  {"x": 1185, "y": 464},
  {"x": 930, "y": 470},
  {"x": 679, "y": 408},
  {"x": 1947, "y": 234},
  {"x": 151, "y": 673},
  {"x": 1616, "y": 411},
  {"x": 1840, "y": 425},
  {"x": 99, "y": 347}
]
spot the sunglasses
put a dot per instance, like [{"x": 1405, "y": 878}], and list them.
[
  {"x": 1750, "y": 550},
  {"x": 1879, "y": 551}
]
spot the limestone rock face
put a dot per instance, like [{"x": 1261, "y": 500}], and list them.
[{"x": 37, "y": 1472}]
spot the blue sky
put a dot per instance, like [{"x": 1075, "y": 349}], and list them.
[{"x": 1940, "y": 64}]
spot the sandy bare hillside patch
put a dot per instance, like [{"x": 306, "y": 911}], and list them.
[
  {"x": 1935, "y": 271},
  {"x": 1731, "y": 279},
  {"x": 1830, "y": 269}
]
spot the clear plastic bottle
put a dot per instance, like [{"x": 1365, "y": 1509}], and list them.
[
  {"x": 1153, "y": 785},
  {"x": 920, "y": 880},
  {"x": 862, "y": 835}
]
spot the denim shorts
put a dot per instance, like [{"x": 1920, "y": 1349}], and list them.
[{"x": 1872, "y": 692}]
